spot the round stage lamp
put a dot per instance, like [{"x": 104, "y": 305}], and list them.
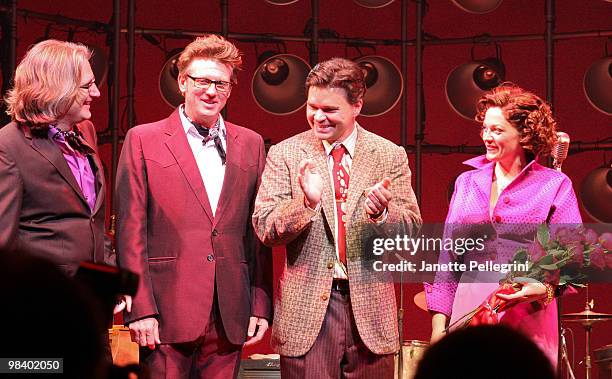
[
  {"x": 598, "y": 85},
  {"x": 278, "y": 84},
  {"x": 282, "y": 2},
  {"x": 384, "y": 85},
  {"x": 168, "y": 85},
  {"x": 468, "y": 82},
  {"x": 373, "y": 3},
  {"x": 477, "y": 6},
  {"x": 596, "y": 194}
]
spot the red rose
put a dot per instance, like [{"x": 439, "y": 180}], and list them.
[
  {"x": 609, "y": 261},
  {"x": 606, "y": 241},
  {"x": 536, "y": 251},
  {"x": 598, "y": 258},
  {"x": 566, "y": 236},
  {"x": 590, "y": 236},
  {"x": 577, "y": 254}
]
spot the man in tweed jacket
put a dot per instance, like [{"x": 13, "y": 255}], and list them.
[{"x": 331, "y": 317}]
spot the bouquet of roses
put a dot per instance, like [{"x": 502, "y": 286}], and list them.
[{"x": 564, "y": 257}]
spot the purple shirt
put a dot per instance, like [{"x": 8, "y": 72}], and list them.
[{"x": 79, "y": 165}]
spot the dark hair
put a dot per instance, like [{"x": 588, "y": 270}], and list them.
[
  {"x": 339, "y": 73},
  {"x": 527, "y": 112},
  {"x": 488, "y": 351}
]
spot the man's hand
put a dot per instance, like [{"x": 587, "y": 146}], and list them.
[
  {"x": 125, "y": 302},
  {"x": 145, "y": 332},
  {"x": 256, "y": 324},
  {"x": 310, "y": 182},
  {"x": 377, "y": 198}
]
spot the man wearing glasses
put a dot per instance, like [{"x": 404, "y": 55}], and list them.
[
  {"x": 51, "y": 179},
  {"x": 185, "y": 190}
]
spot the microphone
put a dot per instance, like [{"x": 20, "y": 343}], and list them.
[{"x": 560, "y": 150}]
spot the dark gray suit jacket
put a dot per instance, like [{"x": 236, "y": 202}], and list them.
[{"x": 42, "y": 208}]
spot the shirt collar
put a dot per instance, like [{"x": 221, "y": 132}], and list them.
[
  {"x": 54, "y": 134},
  {"x": 349, "y": 143},
  {"x": 481, "y": 162},
  {"x": 190, "y": 129}
]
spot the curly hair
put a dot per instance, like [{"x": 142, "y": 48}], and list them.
[
  {"x": 214, "y": 47},
  {"x": 339, "y": 73},
  {"x": 527, "y": 112},
  {"x": 46, "y": 83}
]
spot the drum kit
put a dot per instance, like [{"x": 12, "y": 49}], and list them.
[
  {"x": 412, "y": 351},
  {"x": 586, "y": 318}
]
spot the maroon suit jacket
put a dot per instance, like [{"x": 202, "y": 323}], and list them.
[
  {"x": 42, "y": 208},
  {"x": 167, "y": 234}
]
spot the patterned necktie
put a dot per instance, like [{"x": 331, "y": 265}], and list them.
[
  {"x": 75, "y": 140},
  {"x": 341, "y": 183},
  {"x": 208, "y": 134}
]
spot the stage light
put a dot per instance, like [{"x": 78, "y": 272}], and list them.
[
  {"x": 373, "y": 3},
  {"x": 278, "y": 83},
  {"x": 384, "y": 85},
  {"x": 596, "y": 194},
  {"x": 168, "y": 85},
  {"x": 477, "y": 6},
  {"x": 597, "y": 85},
  {"x": 281, "y": 2},
  {"x": 468, "y": 82}
]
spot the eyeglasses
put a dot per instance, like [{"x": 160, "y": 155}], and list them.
[
  {"x": 88, "y": 85},
  {"x": 205, "y": 83}
]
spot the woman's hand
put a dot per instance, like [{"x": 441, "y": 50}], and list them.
[{"x": 531, "y": 290}]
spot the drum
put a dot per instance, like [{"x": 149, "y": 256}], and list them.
[
  {"x": 412, "y": 352},
  {"x": 124, "y": 351}
]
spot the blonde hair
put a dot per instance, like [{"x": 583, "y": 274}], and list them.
[
  {"x": 46, "y": 82},
  {"x": 214, "y": 47}
]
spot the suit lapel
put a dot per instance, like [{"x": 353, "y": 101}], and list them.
[
  {"x": 50, "y": 151},
  {"x": 96, "y": 166},
  {"x": 313, "y": 149},
  {"x": 89, "y": 138},
  {"x": 363, "y": 169},
  {"x": 180, "y": 149},
  {"x": 233, "y": 162}
]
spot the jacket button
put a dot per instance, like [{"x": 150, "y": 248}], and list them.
[
  {"x": 506, "y": 200},
  {"x": 330, "y": 265},
  {"x": 323, "y": 297},
  {"x": 497, "y": 218},
  {"x": 210, "y": 258},
  {"x": 215, "y": 232}
]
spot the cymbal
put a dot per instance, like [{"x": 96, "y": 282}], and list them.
[
  {"x": 586, "y": 317},
  {"x": 420, "y": 301}
]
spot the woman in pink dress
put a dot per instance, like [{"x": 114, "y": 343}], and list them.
[{"x": 506, "y": 197}]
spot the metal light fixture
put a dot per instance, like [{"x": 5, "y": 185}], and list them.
[
  {"x": 384, "y": 85},
  {"x": 468, "y": 82},
  {"x": 596, "y": 194},
  {"x": 373, "y": 3},
  {"x": 597, "y": 85},
  {"x": 278, "y": 83},
  {"x": 168, "y": 84},
  {"x": 477, "y": 6},
  {"x": 281, "y": 2}
]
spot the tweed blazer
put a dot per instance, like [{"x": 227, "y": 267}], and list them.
[{"x": 281, "y": 218}]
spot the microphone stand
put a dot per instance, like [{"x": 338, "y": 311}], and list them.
[{"x": 564, "y": 355}]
